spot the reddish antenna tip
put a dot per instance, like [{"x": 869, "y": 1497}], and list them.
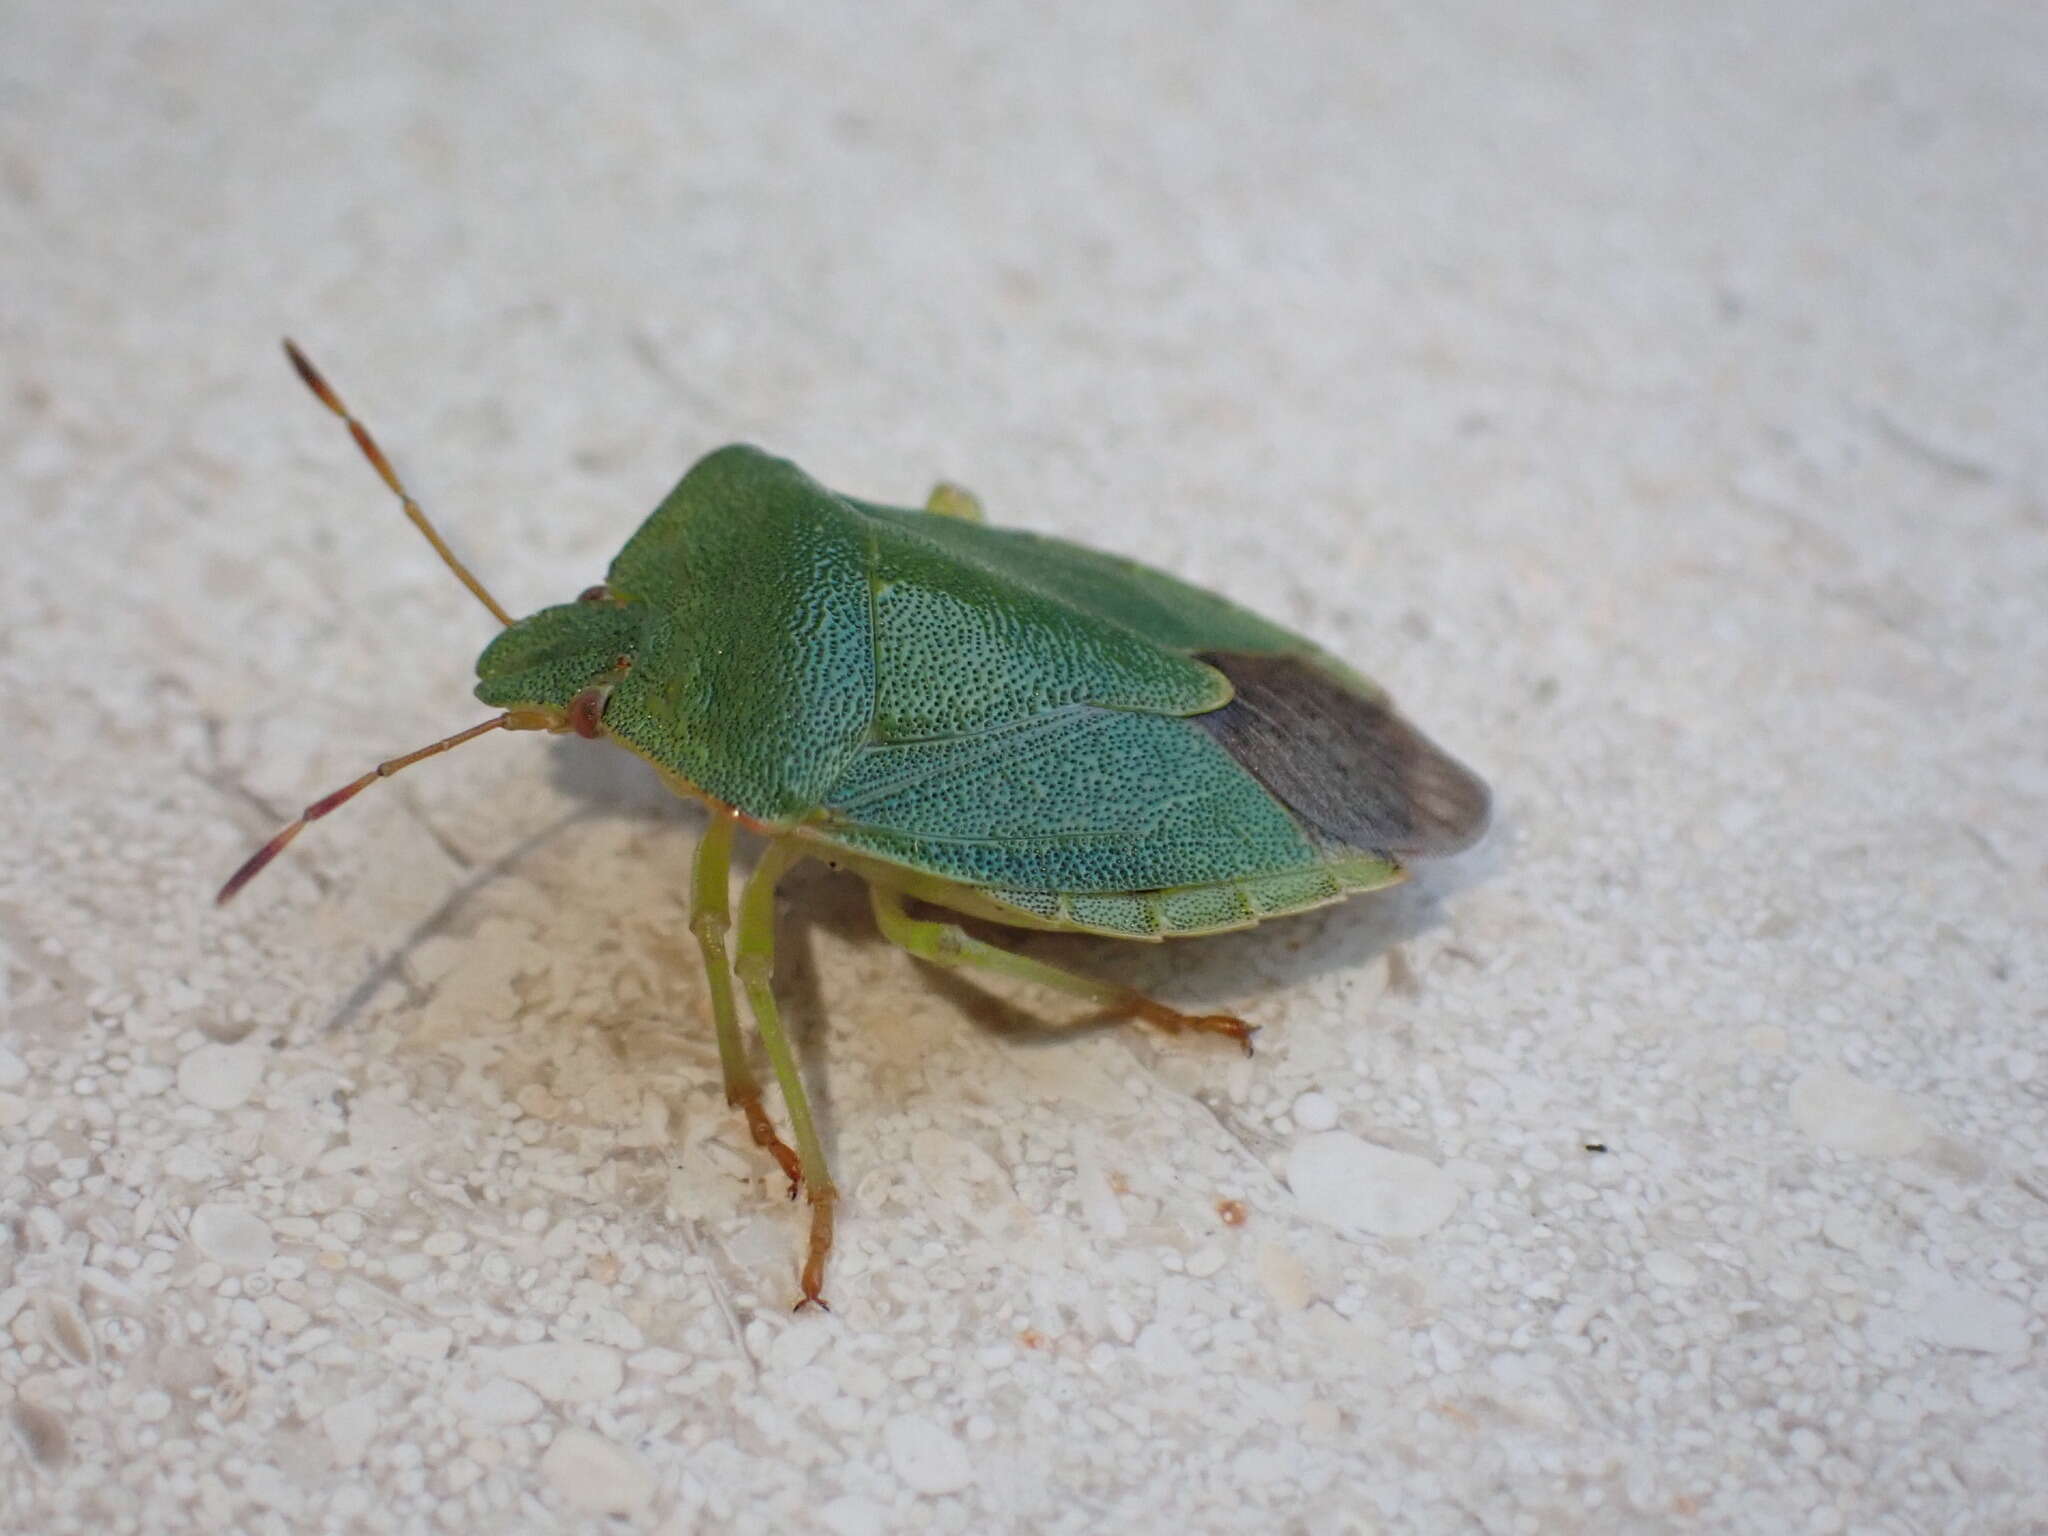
[
  {"x": 310, "y": 376},
  {"x": 253, "y": 865}
]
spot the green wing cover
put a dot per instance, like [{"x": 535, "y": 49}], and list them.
[
  {"x": 787, "y": 632},
  {"x": 1133, "y": 597},
  {"x": 965, "y": 644},
  {"x": 995, "y": 707},
  {"x": 1079, "y": 799},
  {"x": 1105, "y": 783}
]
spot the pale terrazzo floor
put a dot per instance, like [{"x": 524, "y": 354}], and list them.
[{"x": 1657, "y": 406}]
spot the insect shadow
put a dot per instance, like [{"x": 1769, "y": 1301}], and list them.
[
  {"x": 613, "y": 785},
  {"x": 609, "y": 785},
  {"x": 444, "y": 917},
  {"x": 1229, "y": 970},
  {"x": 1205, "y": 971}
]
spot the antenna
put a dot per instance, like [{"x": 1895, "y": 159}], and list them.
[
  {"x": 382, "y": 465},
  {"x": 253, "y": 865}
]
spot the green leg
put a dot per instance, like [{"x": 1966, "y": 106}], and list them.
[
  {"x": 947, "y": 944},
  {"x": 949, "y": 500},
  {"x": 756, "y": 969},
  {"x": 710, "y": 918}
]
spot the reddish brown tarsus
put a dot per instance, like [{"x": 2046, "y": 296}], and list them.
[
  {"x": 762, "y": 1129},
  {"x": 823, "y": 1198}
]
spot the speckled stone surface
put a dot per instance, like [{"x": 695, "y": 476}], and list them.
[{"x": 1655, "y": 404}]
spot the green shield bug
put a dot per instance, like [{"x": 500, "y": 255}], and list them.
[{"x": 1003, "y": 725}]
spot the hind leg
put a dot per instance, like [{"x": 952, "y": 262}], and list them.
[{"x": 948, "y": 944}]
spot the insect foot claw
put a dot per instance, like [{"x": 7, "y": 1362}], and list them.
[
  {"x": 1174, "y": 1022},
  {"x": 823, "y": 1198},
  {"x": 1228, "y": 1024}
]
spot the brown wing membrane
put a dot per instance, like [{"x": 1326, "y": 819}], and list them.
[{"x": 1346, "y": 764}]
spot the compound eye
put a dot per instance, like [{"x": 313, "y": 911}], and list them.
[
  {"x": 597, "y": 594},
  {"x": 586, "y": 713}
]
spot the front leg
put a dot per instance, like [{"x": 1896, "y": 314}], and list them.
[{"x": 710, "y": 918}]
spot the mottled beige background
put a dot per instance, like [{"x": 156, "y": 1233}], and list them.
[{"x": 1655, "y": 401}]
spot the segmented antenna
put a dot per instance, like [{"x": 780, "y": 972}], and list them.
[
  {"x": 382, "y": 465},
  {"x": 254, "y": 864}
]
